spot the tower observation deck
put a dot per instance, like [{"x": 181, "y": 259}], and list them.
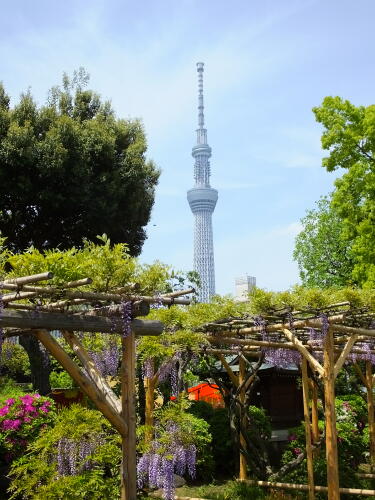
[{"x": 202, "y": 199}]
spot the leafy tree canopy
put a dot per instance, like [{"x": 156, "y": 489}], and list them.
[
  {"x": 70, "y": 169},
  {"x": 322, "y": 252},
  {"x": 349, "y": 136}
]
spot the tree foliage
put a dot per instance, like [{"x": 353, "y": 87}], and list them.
[
  {"x": 70, "y": 169},
  {"x": 321, "y": 251},
  {"x": 349, "y": 137}
]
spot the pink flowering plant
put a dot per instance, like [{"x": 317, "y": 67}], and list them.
[{"x": 21, "y": 420}]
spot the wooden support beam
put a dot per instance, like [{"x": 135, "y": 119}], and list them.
[
  {"x": 315, "y": 365},
  {"x": 370, "y": 409},
  {"x": 330, "y": 418},
  {"x": 91, "y": 369},
  {"x": 306, "y": 412},
  {"x": 344, "y": 354},
  {"x": 82, "y": 322},
  {"x": 129, "y": 463},
  {"x": 88, "y": 387},
  {"x": 229, "y": 370},
  {"x": 241, "y": 379},
  {"x": 314, "y": 412}
]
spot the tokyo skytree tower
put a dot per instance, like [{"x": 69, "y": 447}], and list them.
[{"x": 202, "y": 200}]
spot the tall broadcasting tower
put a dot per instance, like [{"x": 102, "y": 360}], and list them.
[{"x": 202, "y": 200}]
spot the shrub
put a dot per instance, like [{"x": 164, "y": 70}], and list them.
[
  {"x": 61, "y": 380},
  {"x": 14, "y": 361},
  {"x": 21, "y": 420},
  {"x": 9, "y": 389},
  {"x": 222, "y": 445},
  {"x": 78, "y": 458}
]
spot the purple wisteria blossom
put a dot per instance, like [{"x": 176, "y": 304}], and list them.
[
  {"x": 282, "y": 358},
  {"x": 73, "y": 457},
  {"x": 107, "y": 360},
  {"x": 157, "y": 467},
  {"x": 126, "y": 316}
]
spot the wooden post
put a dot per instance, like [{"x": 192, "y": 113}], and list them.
[
  {"x": 370, "y": 408},
  {"x": 241, "y": 378},
  {"x": 129, "y": 465},
  {"x": 149, "y": 384},
  {"x": 330, "y": 418},
  {"x": 306, "y": 412},
  {"x": 314, "y": 412}
]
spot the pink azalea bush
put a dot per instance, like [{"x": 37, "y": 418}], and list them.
[{"x": 22, "y": 418}]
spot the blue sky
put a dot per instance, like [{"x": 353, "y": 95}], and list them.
[{"x": 267, "y": 63}]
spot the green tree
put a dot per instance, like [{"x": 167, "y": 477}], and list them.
[
  {"x": 322, "y": 253},
  {"x": 70, "y": 169},
  {"x": 349, "y": 136}
]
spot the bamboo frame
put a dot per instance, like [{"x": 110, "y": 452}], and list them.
[{"x": 28, "y": 319}]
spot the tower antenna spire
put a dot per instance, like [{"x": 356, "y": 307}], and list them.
[{"x": 200, "y": 69}]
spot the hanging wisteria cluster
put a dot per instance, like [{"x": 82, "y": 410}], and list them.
[
  {"x": 156, "y": 468},
  {"x": 107, "y": 360},
  {"x": 169, "y": 369},
  {"x": 158, "y": 301},
  {"x": 282, "y": 358},
  {"x": 148, "y": 368},
  {"x": 126, "y": 316},
  {"x": 316, "y": 341},
  {"x": 73, "y": 457}
]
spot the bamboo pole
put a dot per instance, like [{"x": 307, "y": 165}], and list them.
[
  {"x": 23, "y": 280},
  {"x": 129, "y": 465},
  {"x": 84, "y": 382},
  {"x": 330, "y": 418},
  {"x": 370, "y": 408},
  {"x": 306, "y": 412},
  {"x": 90, "y": 368},
  {"x": 305, "y": 487},
  {"x": 41, "y": 291},
  {"x": 315, "y": 365},
  {"x": 179, "y": 293},
  {"x": 241, "y": 379}
]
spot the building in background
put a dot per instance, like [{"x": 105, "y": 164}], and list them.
[
  {"x": 202, "y": 200},
  {"x": 244, "y": 285}
]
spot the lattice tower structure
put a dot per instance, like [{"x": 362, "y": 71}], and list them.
[{"x": 202, "y": 199}]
